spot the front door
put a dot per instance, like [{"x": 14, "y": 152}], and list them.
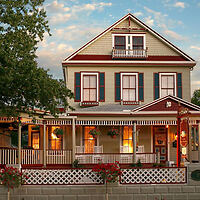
[{"x": 160, "y": 142}]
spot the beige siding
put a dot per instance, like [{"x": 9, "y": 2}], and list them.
[
  {"x": 103, "y": 46},
  {"x": 148, "y": 80}
]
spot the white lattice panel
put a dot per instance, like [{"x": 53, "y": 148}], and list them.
[
  {"x": 61, "y": 177},
  {"x": 153, "y": 176}
]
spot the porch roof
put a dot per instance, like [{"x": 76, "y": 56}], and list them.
[{"x": 109, "y": 108}]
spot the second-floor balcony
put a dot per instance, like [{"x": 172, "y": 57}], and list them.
[{"x": 129, "y": 54}]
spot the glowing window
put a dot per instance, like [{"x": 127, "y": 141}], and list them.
[
  {"x": 89, "y": 141},
  {"x": 55, "y": 142},
  {"x": 127, "y": 139}
]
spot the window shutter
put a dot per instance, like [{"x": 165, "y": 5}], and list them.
[
  {"x": 141, "y": 86},
  {"x": 156, "y": 86},
  {"x": 179, "y": 85},
  {"x": 102, "y": 87},
  {"x": 77, "y": 87},
  {"x": 117, "y": 87}
]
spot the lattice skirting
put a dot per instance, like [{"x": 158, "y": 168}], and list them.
[
  {"x": 154, "y": 176},
  {"x": 86, "y": 176},
  {"x": 61, "y": 177}
]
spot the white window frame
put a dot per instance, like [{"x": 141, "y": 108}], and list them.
[
  {"x": 90, "y": 73},
  {"x": 131, "y": 41},
  {"x": 175, "y": 82},
  {"x": 121, "y": 84}
]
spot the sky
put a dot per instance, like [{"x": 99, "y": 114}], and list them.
[{"x": 75, "y": 22}]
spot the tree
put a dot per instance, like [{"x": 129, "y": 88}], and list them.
[
  {"x": 23, "y": 85},
  {"x": 196, "y": 97}
]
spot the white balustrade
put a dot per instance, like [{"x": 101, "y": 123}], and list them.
[
  {"x": 32, "y": 156},
  {"x": 126, "y": 53},
  {"x": 8, "y": 156},
  {"x": 59, "y": 156}
]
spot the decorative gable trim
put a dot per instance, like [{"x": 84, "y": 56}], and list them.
[
  {"x": 141, "y": 24},
  {"x": 176, "y": 99}
]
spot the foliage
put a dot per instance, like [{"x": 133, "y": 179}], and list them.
[
  {"x": 196, "y": 97},
  {"x": 58, "y": 132},
  {"x": 113, "y": 132},
  {"x": 23, "y": 86},
  {"x": 12, "y": 177},
  {"x": 109, "y": 172},
  {"x": 75, "y": 164},
  {"x": 138, "y": 164},
  {"x": 94, "y": 132},
  {"x": 158, "y": 165},
  {"x": 195, "y": 175}
]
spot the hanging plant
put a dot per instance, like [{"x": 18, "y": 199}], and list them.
[
  {"x": 113, "y": 133},
  {"x": 58, "y": 132},
  {"x": 95, "y": 132}
]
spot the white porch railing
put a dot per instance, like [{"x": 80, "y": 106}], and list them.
[
  {"x": 8, "y": 156},
  {"x": 32, "y": 156},
  {"x": 59, "y": 156},
  {"x": 123, "y": 158},
  {"x": 126, "y": 53}
]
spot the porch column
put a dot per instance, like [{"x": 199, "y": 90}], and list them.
[
  {"x": 199, "y": 141},
  {"x": 19, "y": 143},
  {"x": 134, "y": 142},
  {"x": 73, "y": 140},
  {"x": 44, "y": 146}
]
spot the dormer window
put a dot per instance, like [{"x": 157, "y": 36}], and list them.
[{"x": 129, "y": 46}]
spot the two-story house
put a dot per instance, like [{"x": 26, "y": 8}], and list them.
[
  {"x": 130, "y": 80},
  {"x": 129, "y": 83}
]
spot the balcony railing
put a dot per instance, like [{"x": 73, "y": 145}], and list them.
[{"x": 126, "y": 53}]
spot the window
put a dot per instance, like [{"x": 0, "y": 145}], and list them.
[
  {"x": 129, "y": 85},
  {"x": 167, "y": 84},
  {"x": 120, "y": 42},
  {"x": 89, "y": 87},
  {"x": 88, "y": 140},
  {"x": 127, "y": 139},
  {"x": 129, "y": 41},
  {"x": 138, "y": 42},
  {"x": 35, "y": 140},
  {"x": 55, "y": 141}
]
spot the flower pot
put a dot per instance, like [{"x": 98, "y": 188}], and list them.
[{"x": 114, "y": 136}]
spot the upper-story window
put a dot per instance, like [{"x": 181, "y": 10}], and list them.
[
  {"x": 167, "y": 84},
  {"x": 89, "y": 90},
  {"x": 129, "y": 87},
  {"x": 89, "y": 87},
  {"x": 129, "y": 46}
]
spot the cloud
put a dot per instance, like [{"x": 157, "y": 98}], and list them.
[
  {"x": 149, "y": 21},
  {"x": 66, "y": 13},
  {"x": 78, "y": 33},
  {"x": 173, "y": 35},
  {"x": 56, "y": 7},
  {"x": 195, "y": 47},
  {"x": 51, "y": 56},
  {"x": 137, "y": 14},
  {"x": 179, "y": 4}
]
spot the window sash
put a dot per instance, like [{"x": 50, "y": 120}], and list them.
[
  {"x": 127, "y": 139},
  {"x": 129, "y": 87},
  {"x": 138, "y": 42},
  {"x": 167, "y": 85},
  {"x": 89, "y": 88}
]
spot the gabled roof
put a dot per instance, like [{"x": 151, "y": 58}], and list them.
[
  {"x": 161, "y": 105},
  {"x": 129, "y": 15}
]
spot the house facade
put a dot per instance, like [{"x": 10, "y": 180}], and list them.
[{"x": 130, "y": 84}]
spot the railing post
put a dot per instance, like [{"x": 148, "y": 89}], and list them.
[
  {"x": 44, "y": 146},
  {"x": 134, "y": 142},
  {"x": 19, "y": 144},
  {"x": 73, "y": 139}
]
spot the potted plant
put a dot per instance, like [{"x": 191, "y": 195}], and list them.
[
  {"x": 109, "y": 172},
  {"x": 113, "y": 133},
  {"x": 11, "y": 177},
  {"x": 95, "y": 132},
  {"x": 58, "y": 132}
]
